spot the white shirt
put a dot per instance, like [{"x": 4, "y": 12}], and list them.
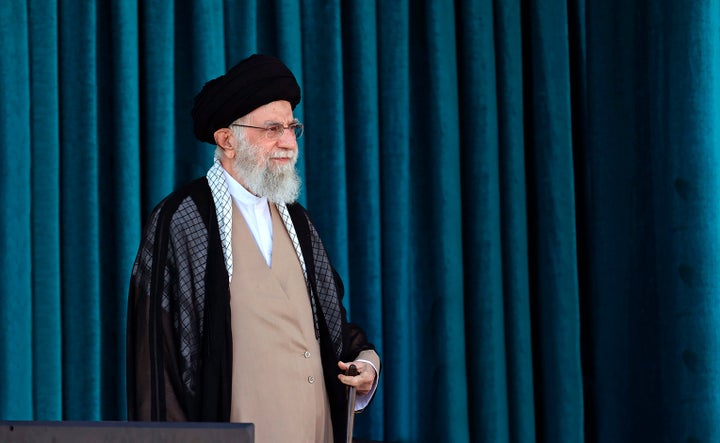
[{"x": 256, "y": 212}]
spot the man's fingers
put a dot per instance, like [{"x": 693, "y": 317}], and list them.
[{"x": 363, "y": 381}]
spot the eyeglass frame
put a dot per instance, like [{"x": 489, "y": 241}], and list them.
[{"x": 295, "y": 126}]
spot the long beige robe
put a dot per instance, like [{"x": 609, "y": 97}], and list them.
[{"x": 277, "y": 377}]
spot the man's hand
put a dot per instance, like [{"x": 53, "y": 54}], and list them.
[{"x": 363, "y": 382}]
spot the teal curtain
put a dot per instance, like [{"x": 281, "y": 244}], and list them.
[
  {"x": 521, "y": 196},
  {"x": 651, "y": 238}
]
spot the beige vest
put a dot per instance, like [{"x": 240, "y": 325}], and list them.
[{"x": 277, "y": 376}]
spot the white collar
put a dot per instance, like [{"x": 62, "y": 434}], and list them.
[{"x": 241, "y": 195}]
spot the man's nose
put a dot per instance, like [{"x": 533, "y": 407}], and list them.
[{"x": 287, "y": 139}]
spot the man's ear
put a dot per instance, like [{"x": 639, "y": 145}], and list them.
[{"x": 224, "y": 138}]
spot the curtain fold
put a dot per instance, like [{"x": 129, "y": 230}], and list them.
[
  {"x": 157, "y": 101},
  {"x": 362, "y": 146},
  {"x": 45, "y": 265},
  {"x": 481, "y": 235},
  {"x": 394, "y": 120},
  {"x": 521, "y": 198},
  {"x": 552, "y": 249},
  {"x": 79, "y": 96},
  {"x": 323, "y": 100},
  {"x": 508, "y": 49},
  {"x": 434, "y": 194},
  {"x": 119, "y": 190},
  {"x": 16, "y": 339}
]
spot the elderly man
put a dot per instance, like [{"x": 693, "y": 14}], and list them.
[{"x": 235, "y": 310}]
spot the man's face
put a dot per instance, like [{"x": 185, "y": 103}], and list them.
[
  {"x": 266, "y": 165},
  {"x": 280, "y": 153}
]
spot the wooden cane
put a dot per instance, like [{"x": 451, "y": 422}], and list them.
[{"x": 352, "y": 372}]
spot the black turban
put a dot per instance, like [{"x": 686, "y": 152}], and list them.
[{"x": 255, "y": 81}]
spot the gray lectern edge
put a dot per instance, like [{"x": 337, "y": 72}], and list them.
[{"x": 124, "y": 432}]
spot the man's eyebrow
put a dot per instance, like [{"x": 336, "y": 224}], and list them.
[{"x": 275, "y": 122}]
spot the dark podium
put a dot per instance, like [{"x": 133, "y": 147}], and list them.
[{"x": 124, "y": 432}]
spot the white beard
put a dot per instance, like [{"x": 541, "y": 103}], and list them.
[{"x": 279, "y": 184}]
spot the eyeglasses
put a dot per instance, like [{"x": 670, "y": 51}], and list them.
[{"x": 274, "y": 131}]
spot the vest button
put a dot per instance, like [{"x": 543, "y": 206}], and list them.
[
  {"x": 311, "y": 379},
  {"x": 307, "y": 354}
]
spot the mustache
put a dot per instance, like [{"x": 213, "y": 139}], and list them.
[{"x": 290, "y": 154}]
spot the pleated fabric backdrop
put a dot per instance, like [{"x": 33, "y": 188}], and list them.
[{"x": 521, "y": 196}]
